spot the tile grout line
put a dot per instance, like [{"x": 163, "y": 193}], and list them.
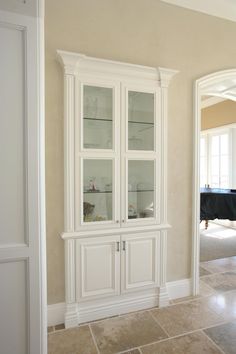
[
  {"x": 187, "y": 333},
  {"x": 211, "y": 340},
  {"x": 157, "y": 322},
  {"x": 94, "y": 340}
]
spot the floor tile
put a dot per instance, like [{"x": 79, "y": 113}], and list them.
[
  {"x": 185, "y": 317},
  {"x": 126, "y": 332},
  {"x": 195, "y": 343},
  {"x": 203, "y": 272},
  {"x": 72, "y": 341},
  {"x": 132, "y": 351},
  {"x": 204, "y": 289},
  {"x": 224, "y": 304},
  {"x": 220, "y": 265},
  {"x": 221, "y": 282},
  {"x": 224, "y": 336}
]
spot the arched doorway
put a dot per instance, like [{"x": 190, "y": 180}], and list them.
[{"x": 221, "y": 84}]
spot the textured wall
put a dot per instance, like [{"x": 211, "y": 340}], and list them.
[{"x": 146, "y": 32}]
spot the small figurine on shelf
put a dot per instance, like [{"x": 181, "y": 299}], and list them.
[{"x": 92, "y": 184}]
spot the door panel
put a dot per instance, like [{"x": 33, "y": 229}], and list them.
[
  {"x": 22, "y": 296},
  {"x": 13, "y": 295},
  {"x": 12, "y": 132},
  {"x": 97, "y": 267},
  {"x": 140, "y": 257}
]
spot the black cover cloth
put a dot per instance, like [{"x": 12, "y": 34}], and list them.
[{"x": 218, "y": 204}]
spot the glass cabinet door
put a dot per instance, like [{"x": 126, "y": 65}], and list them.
[
  {"x": 97, "y": 117},
  {"x": 141, "y": 121},
  {"x": 97, "y": 190},
  {"x": 141, "y": 201}
]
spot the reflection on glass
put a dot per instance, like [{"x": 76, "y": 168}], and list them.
[
  {"x": 98, "y": 117},
  {"x": 140, "y": 189},
  {"x": 97, "y": 190},
  {"x": 141, "y": 121}
]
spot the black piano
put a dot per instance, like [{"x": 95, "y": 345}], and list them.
[{"x": 217, "y": 203}]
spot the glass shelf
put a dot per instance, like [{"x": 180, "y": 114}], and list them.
[
  {"x": 144, "y": 190},
  {"x": 96, "y": 192},
  {"x": 99, "y": 119},
  {"x": 135, "y": 122}
]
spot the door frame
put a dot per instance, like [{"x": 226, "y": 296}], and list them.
[{"x": 200, "y": 88}]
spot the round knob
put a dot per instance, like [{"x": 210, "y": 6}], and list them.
[
  {"x": 117, "y": 221},
  {"x": 123, "y": 220}
]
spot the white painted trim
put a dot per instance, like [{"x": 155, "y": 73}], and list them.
[
  {"x": 179, "y": 288},
  {"x": 91, "y": 311},
  {"x": 56, "y": 314},
  {"x": 211, "y": 101},
  {"x": 200, "y": 86},
  {"x": 219, "y": 8}
]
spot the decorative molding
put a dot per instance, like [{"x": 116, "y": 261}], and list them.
[
  {"x": 77, "y": 62},
  {"x": 211, "y": 101},
  {"x": 165, "y": 76},
  {"x": 111, "y": 231},
  {"x": 91, "y": 311},
  {"x": 225, "y": 9}
]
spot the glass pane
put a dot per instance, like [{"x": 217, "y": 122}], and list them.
[
  {"x": 97, "y": 190},
  {"x": 98, "y": 117},
  {"x": 215, "y": 165},
  {"x": 215, "y": 145},
  {"x": 140, "y": 189},
  {"x": 224, "y": 141},
  {"x": 202, "y": 147},
  {"x": 141, "y": 121},
  {"x": 224, "y": 165}
]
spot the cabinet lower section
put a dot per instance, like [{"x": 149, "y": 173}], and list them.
[{"x": 115, "y": 274}]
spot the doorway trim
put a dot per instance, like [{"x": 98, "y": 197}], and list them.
[{"x": 200, "y": 88}]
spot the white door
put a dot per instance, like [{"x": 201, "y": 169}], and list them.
[
  {"x": 97, "y": 267},
  {"x": 21, "y": 192},
  {"x": 139, "y": 261}
]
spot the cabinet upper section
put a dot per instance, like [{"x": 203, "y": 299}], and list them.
[{"x": 114, "y": 143}]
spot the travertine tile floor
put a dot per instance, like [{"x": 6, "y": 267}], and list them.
[{"x": 205, "y": 324}]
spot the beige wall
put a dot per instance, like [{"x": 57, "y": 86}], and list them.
[
  {"x": 146, "y": 32},
  {"x": 219, "y": 114}
]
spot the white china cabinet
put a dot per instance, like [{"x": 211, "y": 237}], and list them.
[{"x": 115, "y": 187}]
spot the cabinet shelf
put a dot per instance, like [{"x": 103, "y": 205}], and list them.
[
  {"x": 96, "y": 192},
  {"x": 145, "y": 123},
  {"x": 99, "y": 119},
  {"x": 141, "y": 190}
]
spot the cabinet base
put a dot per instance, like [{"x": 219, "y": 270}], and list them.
[{"x": 78, "y": 313}]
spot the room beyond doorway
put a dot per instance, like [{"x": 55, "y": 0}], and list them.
[{"x": 220, "y": 84}]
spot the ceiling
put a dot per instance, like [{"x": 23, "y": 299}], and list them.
[{"x": 220, "y": 8}]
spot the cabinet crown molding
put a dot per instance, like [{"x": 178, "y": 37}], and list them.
[{"x": 75, "y": 63}]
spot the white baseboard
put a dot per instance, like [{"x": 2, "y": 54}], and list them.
[
  {"x": 134, "y": 302},
  {"x": 179, "y": 288},
  {"x": 56, "y": 314}
]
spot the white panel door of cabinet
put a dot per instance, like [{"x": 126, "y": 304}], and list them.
[
  {"x": 97, "y": 267},
  {"x": 140, "y": 258}
]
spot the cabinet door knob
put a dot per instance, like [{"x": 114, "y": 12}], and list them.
[
  {"x": 117, "y": 221},
  {"x": 118, "y": 246},
  {"x": 123, "y": 220}
]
